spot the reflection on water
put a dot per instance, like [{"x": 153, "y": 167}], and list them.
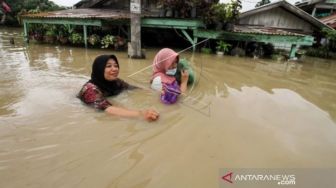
[{"x": 240, "y": 113}]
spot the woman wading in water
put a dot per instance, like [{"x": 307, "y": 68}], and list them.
[{"x": 104, "y": 83}]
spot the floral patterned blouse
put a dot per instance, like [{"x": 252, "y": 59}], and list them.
[{"x": 90, "y": 94}]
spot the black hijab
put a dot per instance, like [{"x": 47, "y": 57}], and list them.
[{"x": 97, "y": 76}]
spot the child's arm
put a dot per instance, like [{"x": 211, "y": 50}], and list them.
[{"x": 184, "y": 80}]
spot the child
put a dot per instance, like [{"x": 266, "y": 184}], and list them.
[{"x": 163, "y": 78}]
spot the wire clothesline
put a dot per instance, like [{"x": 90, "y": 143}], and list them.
[
  {"x": 168, "y": 57},
  {"x": 187, "y": 96}
]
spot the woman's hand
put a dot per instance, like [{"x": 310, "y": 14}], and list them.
[
  {"x": 184, "y": 81},
  {"x": 184, "y": 76},
  {"x": 150, "y": 115}
]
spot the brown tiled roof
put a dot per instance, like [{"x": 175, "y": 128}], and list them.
[{"x": 86, "y": 13}]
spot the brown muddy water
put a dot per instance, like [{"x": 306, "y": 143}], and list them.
[{"x": 241, "y": 113}]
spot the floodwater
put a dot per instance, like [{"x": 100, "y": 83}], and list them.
[{"x": 241, "y": 113}]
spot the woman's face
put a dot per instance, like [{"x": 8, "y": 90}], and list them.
[
  {"x": 174, "y": 65},
  {"x": 111, "y": 70}
]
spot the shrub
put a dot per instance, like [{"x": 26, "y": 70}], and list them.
[
  {"x": 76, "y": 38},
  {"x": 107, "y": 40}
]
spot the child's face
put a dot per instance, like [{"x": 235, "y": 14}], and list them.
[{"x": 174, "y": 65}]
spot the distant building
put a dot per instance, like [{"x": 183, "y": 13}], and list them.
[
  {"x": 281, "y": 17},
  {"x": 115, "y": 15},
  {"x": 318, "y": 8},
  {"x": 329, "y": 20},
  {"x": 280, "y": 23}
]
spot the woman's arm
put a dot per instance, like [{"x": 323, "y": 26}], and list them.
[
  {"x": 149, "y": 115},
  {"x": 184, "y": 80},
  {"x": 92, "y": 96}
]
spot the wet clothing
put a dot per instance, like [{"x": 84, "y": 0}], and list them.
[
  {"x": 157, "y": 84},
  {"x": 95, "y": 91},
  {"x": 171, "y": 93},
  {"x": 5, "y": 7},
  {"x": 90, "y": 94},
  {"x": 93, "y": 96},
  {"x": 160, "y": 81}
]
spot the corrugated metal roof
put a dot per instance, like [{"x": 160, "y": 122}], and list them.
[
  {"x": 264, "y": 30},
  {"x": 86, "y": 13},
  {"x": 329, "y": 20}
]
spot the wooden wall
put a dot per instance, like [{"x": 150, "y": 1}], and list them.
[{"x": 278, "y": 18}]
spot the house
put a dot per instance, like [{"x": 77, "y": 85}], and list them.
[
  {"x": 329, "y": 20},
  {"x": 116, "y": 13},
  {"x": 318, "y": 8},
  {"x": 281, "y": 16},
  {"x": 279, "y": 23}
]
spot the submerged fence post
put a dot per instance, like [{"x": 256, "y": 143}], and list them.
[
  {"x": 85, "y": 35},
  {"x": 25, "y": 31},
  {"x": 134, "y": 48},
  {"x": 292, "y": 52}
]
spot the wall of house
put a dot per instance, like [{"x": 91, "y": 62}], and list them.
[{"x": 278, "y": 18}]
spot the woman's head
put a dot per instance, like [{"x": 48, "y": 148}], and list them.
[
  {"x": 164, "y": 65},
  {"x": 111, "y": 71},
  {"x": 105, "y": 68},
  {"x": 166, "y": 59}
]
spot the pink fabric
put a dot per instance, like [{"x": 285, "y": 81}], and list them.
[
  {"x": 6, "y": 7},
  {"x": 164, "y": 59}
]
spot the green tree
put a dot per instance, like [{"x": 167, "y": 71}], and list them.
[
  {"x": 20, "y": 6},
  {"x": 262, "y": 2},
  {"x": 236, "y": 7},
  {"x": 222, "y": 13},
  {"x": 331, "y": 36}
]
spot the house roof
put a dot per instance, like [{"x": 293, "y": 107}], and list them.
[
  {"x": 290, "y": 8},
  {"x": 329, "y": 20},
  {"x": 263, "y": 30},
  {"x": 307, "y": 2},
  {"x": 86, "y": 13}
]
